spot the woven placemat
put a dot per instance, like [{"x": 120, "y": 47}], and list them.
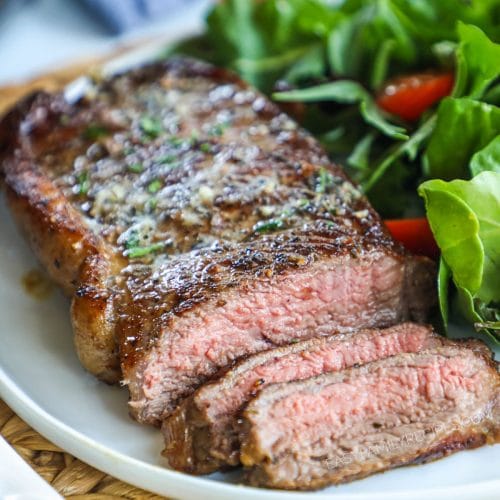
[{"x": 71, "y": 477}]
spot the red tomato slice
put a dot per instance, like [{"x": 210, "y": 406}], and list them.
[
  {"x": 408, "y": 97},
  {"x": 415, "y": 235}
]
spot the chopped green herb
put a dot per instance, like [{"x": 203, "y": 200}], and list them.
[
  {"x": 166, "y": 159},
  {"x": 324, "y": 181},
  {"x": 94, "y": 131},
  {"x": 138, "y": 252},
  {"x": 152, "y": 204},
  {"x": 133, "y": 240},
  {"x": 136, "y": 168},
  {"x": 287, "y": 213},
  {"x": 267, "y": 226},
  {"x": 154, "y": 186},
  {"x": 303, "y": 203},
  {"x": 218, "y": 129},
  {"x": 194, "y": 137},
  {"x": 64, "y": 119},
  {"x": 128, "y": 151},
  {"x": 152, "y": 127},
  {"x": 176, "y": 141},
  {"x": 83, "y": 182},
  {"x": 206, "y": 147}
]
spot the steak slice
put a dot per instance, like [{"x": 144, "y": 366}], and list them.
[
  {"x": 202, "y": 435},
  {"x": 194, "y": 223},
  {"x": 409, "y": 408}
]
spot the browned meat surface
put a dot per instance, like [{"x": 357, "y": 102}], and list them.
[
  {"x": 202, "y": 434},
  {"x": 409, "y": 408},
  {"x": 194, "y": 223}
]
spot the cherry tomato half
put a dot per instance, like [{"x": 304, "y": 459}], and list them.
[
  {"x": 409, "y": 96},
  {"x": 415, "y": 235}
]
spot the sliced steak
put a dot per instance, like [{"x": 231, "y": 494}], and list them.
[
  {"x": 194, "y": 223},
  {"x": 202, "y": 434},
  {"x": 409, "y": 408}
]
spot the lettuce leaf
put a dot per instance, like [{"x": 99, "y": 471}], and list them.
[
  {"x": 463, "y": 127},
  {"x": 465, "y": 219},
  {"x": 487, "y": 158}
]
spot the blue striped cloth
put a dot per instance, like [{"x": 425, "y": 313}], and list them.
[{"x": 121, "y": 15}]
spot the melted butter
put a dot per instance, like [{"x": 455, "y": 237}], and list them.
[
  {"x": 173, "y": 167},
  {"x": 37, "y": 284}
]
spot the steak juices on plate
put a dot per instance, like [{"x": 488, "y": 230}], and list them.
[{"x": 194, "y": 223}]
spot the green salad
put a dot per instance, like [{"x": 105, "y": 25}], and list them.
[{"x": 404, "y": 93}]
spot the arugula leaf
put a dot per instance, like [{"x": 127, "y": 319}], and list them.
[
  {"x": 487, "y": 158},
  {"x": 479, "y": 313},
  {"x": 310, "y": 66},
  {"x": 238, "y": 38},
  {"x": 465, "y": 219},
  {"x": 368, "y": 40},
  {"x": 403, "y": 200},
  {"x": 383, "y": 37},
  {"x": 463, "y": 127},
  {"x": 346, "y": 92},
  {"x": 296, "y": 40},
  {"x": 490, "y": 316},
  {"x": 380, "y": 72},
  {"x": 264, "y": 40},
  {"x": 409, "y": 148},
  {"x": 360, "y": 156}
]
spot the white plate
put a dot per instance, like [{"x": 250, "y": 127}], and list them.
[{"x": 41, "y": 379}]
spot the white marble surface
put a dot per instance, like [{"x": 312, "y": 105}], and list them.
[{"x": 46, "y": 34}]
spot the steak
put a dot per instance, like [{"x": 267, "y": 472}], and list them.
[
  {"x": 193, "y": 223},
  {"x": 202, "y": 434},
  {"x": 406, "y": 409}
]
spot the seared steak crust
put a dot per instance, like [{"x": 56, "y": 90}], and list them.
[
  {"x": 202, "y": 434},
  {"x": 409, "y": 408},
  {"x": 171, "y": 192}
]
